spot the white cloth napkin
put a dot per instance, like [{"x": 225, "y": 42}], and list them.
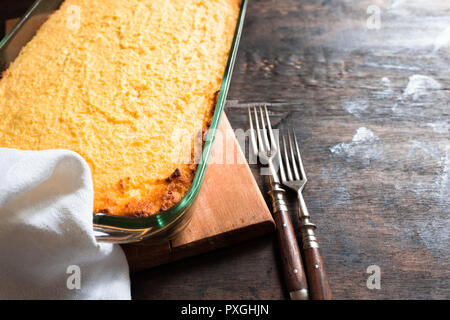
[{"x": 47, "y": 244}]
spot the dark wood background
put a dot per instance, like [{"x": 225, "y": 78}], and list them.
[{"x": 377, "y": 154}]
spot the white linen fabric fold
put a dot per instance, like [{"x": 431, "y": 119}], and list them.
[{"x": 47, "y": 244}]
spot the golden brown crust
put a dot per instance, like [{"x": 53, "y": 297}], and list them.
[{"x": 177, "y": 185}]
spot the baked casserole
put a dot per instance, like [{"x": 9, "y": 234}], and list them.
[{"x": 127, "y": 84}]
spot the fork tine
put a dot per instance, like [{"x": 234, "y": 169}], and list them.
[
  {"x": 294, "y": 163},
  {"x": 266, "y": 139},
  {"x": 299, "y": 157},
  {"x": 273, "y": 144},
  {"x": 252, "y": 133},
  {"x": 280, "y": 160},
  {"x": 258, "y": 131},
  {"x": 286, "y": 159}
]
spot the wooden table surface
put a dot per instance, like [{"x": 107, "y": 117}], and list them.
[{"x": 368, "y": 99}]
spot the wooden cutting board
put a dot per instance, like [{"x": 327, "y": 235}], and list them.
[{"x": 229, "y": 208}]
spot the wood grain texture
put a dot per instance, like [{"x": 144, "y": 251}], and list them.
[
  {"x": 290, "y": 255},
  {"x": 384, "y": 201},
  {"x": 228, "y": 209},
  {"x": 323, "y": 72},
  {"x": 319, "y": 287}
]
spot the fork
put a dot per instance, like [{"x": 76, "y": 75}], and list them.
[
  {"x": 266, "y": 148},
  {"x": 295, "y": 179}
]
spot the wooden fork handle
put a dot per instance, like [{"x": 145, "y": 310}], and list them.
[
  {"x": 315, "y": 270},
  {"x": 293, "y": 269},
  {"x": 317, "y": 278}
]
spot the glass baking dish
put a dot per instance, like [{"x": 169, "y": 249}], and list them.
[{"x": 118, "y": 229}]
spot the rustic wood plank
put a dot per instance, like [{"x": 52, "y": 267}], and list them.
[
  {"x": 209, "y": 276},
  {"x": 382, "y": 201}
]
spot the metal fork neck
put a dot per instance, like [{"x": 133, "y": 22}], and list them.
[
  {"x": 309, "y": 239},
  {"x": 274, "y": 179},
  {"x": 278, "y": 197}
]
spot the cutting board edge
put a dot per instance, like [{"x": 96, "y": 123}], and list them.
[{"x": 208, "y": 244}]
